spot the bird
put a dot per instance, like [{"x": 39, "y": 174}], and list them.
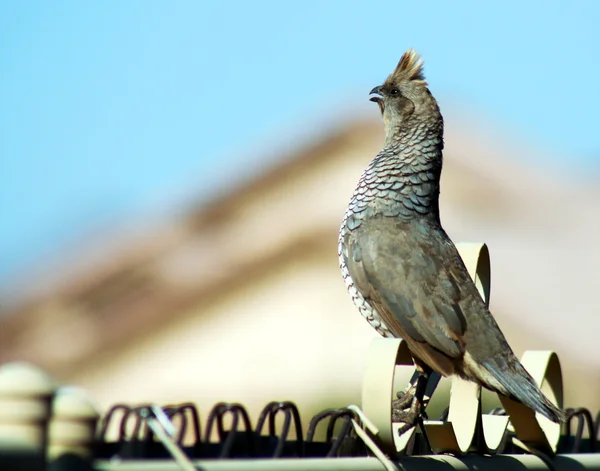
[{"x": 401, "y": 269}]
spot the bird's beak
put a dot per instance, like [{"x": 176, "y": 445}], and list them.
[{"x": 376, "y": 90}]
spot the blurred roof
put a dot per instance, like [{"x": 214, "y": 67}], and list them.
[{"x": 539, "y": 227}]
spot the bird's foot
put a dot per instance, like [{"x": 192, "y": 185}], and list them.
[
  {"x": 405, "y": 398},
  {"x": 413, "y": 397},
  {"x": 409, "y": 417},
  {"x": 405, "y": 428}
]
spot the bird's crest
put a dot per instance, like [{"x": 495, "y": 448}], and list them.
[{"x": 409, "y": 68}]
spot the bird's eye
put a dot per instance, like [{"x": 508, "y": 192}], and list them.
[{"x": 394, "y": 91}]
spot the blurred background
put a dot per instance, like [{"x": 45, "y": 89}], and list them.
[{"x": 173, "y": 176}]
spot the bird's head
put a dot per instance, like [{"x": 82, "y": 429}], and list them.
[{"x": 404, "y": 94}]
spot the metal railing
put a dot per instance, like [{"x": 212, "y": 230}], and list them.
[
  {"x": 41, "y": 426},
  {"x": 45, "y": 427}
]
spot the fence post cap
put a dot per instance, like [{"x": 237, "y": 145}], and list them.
[{"x": 24, "y": 379}]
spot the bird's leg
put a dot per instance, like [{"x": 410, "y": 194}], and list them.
[
  {"x": 410, "y": 416},
  {"x": 404, "y": 397}
]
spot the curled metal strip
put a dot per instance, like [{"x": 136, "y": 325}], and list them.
[
  {"x": 191, "y": 410},
  {"x": 476, "y": 257},
  {"x": 366, "y": 434},
  {"x": 387, "y": 360},
  {"x": 132, "y": 416},
  {"x": 596, "y": 436},
  {"x": 187, "y": 413},
  {"x": 344, "y": 415},
  {"x": 227, "y": 438},
  {"x": 109, "y": 418},
  {"x": 315, "y": 421},
  {"x": 175, "y": 414},
  {"x": 290, "y": 412},
  {"x": 457, "y": 433},
  {"x": 163, "y": 429},
  {"x": 343, "y": 434},
  {"x": 584, "y": 421}
]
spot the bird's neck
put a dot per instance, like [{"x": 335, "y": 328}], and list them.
[
  {"x": 406, "y": 173},
  {"x": 414, "y": 132}
]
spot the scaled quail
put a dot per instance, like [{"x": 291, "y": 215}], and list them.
[{"x": 403, "y": 272}]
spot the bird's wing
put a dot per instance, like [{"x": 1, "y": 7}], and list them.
[{"x": 412, "y": 278}]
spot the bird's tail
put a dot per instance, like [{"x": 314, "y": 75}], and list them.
[{"x": 519, "y": 384}]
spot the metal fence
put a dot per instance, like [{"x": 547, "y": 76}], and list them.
[{"x": 45, "y": 427}]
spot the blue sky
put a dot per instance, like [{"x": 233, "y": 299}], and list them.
[{"x": 109, "y": 108}]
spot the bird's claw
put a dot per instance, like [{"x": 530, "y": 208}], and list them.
[
  {"x": 402, "y": 402},
  {"x": 405, "y": 397},
  {"x": 411, "y": 416}
]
